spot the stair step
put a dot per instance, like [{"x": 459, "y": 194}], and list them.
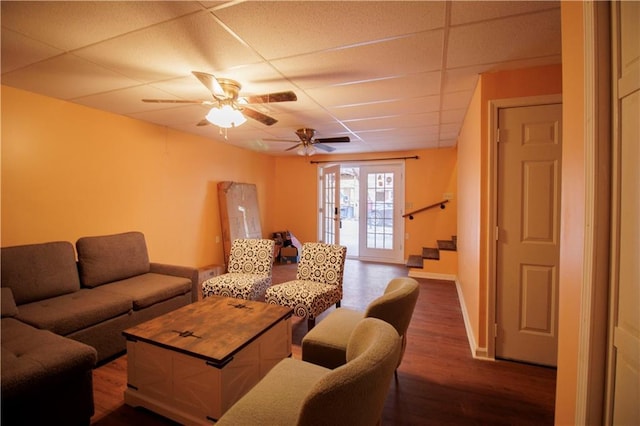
[
  {"x": 430, "y": 253},
  {"x": 447, "y": 245},
  {"x": 414, "y": 261}
]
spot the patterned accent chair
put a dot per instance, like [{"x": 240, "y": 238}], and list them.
[
  {"x": 318, "y": 283},
  {"x": 248, "y": 273},
  {"x": 326, "y": 344}
]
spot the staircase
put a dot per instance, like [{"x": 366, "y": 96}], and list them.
[{"x": 440, "y": 260}]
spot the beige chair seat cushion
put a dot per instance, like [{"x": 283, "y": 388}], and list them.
[
  {"x": 295, "y": 392},
  {"x": 327, "y": 345},
  {"x": 277, "y": 399}
]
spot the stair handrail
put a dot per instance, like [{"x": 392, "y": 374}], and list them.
[{"x": 439, "y": 203}]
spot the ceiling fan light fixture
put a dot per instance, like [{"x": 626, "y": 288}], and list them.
[
  {"x": 306, "y": 150},
  {"x": 225, "y": 117}
]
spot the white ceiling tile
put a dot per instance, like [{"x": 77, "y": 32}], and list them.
[
  {"x": 297, "y": 27},
  {"x": 187, "y": 87},
  {"x": 191, "y": 114},
  {"x": 456, "y": 100},
  {"x": 66, "y": 77},
  {"x": 73, "y": 24},
  {"x": 394, "y": 122},
  {"x": 464, "y": 12},
  {"x": 372, "y": 70},
  {"x": 508, "y": 39},
  {"x": 126, "y": 101},
  {"x": 459, "y": 79},
  {"x": 415, "y": 85},
  {"x": 18, "y": 51},
  {"x": 172, "y": 49},
  {"x": 385, "y": 108},
  {"x": 453, "y": 116},
  {"x": 389, "y": 58}
]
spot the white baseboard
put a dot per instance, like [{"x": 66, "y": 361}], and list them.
[
  {"x": 417, "y": 273},
  {"x": 476, "y": 352}
]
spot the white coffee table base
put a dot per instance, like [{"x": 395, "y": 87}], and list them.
[{"x": 190, "y": 390}]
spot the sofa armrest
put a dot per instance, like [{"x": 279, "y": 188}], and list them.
[
  {"x": 8, "y": 303},
  {"x": 179, "y": 271}
]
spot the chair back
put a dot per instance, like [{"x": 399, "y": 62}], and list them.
[
  {"x": 322, "y": 263},
  {"x": 354, "y": 393},
  {"x": 397, "y": 303},
  {"x": 251, "y": 256}
]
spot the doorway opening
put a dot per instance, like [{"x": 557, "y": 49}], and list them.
[{"x": 361, "y": 208}]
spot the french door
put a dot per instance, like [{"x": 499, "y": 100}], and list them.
[
  {"x": 329, "y": 216},
  {"x": 381, "y": 202},
  {"x": 363, "y": 210}
]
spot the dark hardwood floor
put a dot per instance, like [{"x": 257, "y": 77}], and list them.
[{"x": 439, "y": 382}]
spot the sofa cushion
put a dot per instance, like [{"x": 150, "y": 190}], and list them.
[
  {"x": 32, "y": 357},
  {"x": 71, "y": 312},
  {"x": 9, "y": 308},
  {"x": 39, "y": 271},
  {"x": 108, "y": 258},
  {"x": 148, "y": 289}
]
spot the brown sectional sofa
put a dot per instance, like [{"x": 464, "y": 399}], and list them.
[{"x": 61, "y": 316}]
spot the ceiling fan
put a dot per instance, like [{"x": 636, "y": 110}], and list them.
[
  {"x": 227, "y": 109},
  {"x": 307, "y": 143}
]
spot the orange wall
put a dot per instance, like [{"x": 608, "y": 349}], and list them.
[
  {"x": 469, "y": 206},
  {"x": 473, "y": 153},
  {"x": 70, "y": 171},
  {"x": 427, "y": 179},
  {"x": 572, "y": 233}
]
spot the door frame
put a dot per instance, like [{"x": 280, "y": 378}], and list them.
[
  {"x": 492, "y": 207},
  {"x": 398, "y": 208},
  {"x": 322, "y": 198},
  {"x": 399, "y": 197}
]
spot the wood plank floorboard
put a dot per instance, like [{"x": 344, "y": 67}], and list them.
[{"x": 439, "y": 382}]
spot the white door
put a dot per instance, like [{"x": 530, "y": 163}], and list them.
[
  {"x": 381, "y": 226},
  {"x": 528, "y": 215},
  {"x": 330, "y": 204},
  {"x": 624, "y": 379}
]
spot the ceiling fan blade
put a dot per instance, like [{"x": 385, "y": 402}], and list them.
[
  {"x": 325, "y": 148},
  {"x": 282, "y": 140},
  {"x": 271, "y": 97},
  {"x": 334, "y": 140},
  {"x": 203, "y": 122},
  {"x": 211, "y": 83},
  {"x": 258, "y": 116},
  {"x": 177, "y": 101},
  {"x": 293, "y": 147}
]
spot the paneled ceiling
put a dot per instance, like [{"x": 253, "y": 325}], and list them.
[{"x": 390, "y": 75}]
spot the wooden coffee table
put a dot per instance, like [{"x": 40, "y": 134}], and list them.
[{"x": 192, "y": 364}]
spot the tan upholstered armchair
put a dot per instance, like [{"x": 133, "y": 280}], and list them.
[
  {"x": 326, "y": 344},
  {"x": 295, "y": 392},
  {"x": 248, "y": 273},
  {"x": 318, "y": 283}
]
